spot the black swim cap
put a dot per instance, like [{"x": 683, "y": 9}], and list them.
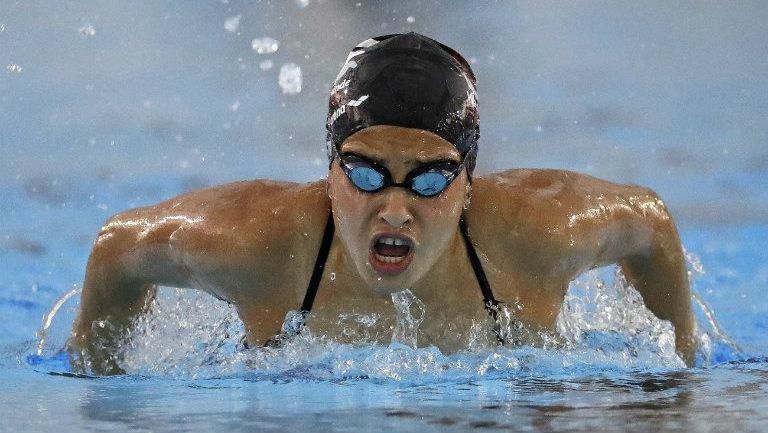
[{"x": 405, "y": 80}]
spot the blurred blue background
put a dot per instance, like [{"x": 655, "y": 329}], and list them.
[
  {"x": 109, "y": 105},
  {"x": 668, "y": 94}
]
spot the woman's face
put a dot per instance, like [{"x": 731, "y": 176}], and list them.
[{"x": 393, "y": 236}]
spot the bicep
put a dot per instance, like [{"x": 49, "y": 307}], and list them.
[{"x": 611, "y": 224}]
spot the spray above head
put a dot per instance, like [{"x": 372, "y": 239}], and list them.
[{"x": 406, "y": 80}]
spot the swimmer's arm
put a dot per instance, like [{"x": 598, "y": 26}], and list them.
[
  {"x": 658, "y": 271},
  {"x": 119, "y": 285},
  {"x": 635, "y": 230},
  {"x": 231, "y": 241}
]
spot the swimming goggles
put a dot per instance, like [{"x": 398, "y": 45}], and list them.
[{"x": 425, "y": 181}]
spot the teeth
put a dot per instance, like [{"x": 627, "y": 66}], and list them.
[
  {"x": 392, "y": 241},
  {"x": 386, "y": 259}
]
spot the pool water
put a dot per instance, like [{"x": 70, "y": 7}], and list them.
[{"x": 730, "y": 397}]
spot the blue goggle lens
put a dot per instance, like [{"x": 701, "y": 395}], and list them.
[
  {"x": 366, "y": 178},
  {"x": 429, "y": 184},
  {"x": 369, "y": 177}
]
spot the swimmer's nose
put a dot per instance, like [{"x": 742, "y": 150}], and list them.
[{"x": 395, "y": 210}]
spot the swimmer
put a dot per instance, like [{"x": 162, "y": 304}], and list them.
[{"x": 400, "y": 209}]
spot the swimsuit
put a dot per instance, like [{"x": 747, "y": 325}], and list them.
[{"x": 295, "y": 322}]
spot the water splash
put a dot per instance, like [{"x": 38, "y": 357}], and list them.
[
  {"x": 266, "y": 65},
  {"x": 232, "y": 24},
  {"x": 42, "y": 333},
  {"x": 186, "y": 333},
  {"x": 711, "y": 339},
  {"x": 363, "y": 328},
  {"x": 611, "y": 320},
  {"x": 265, "y": 45},
  {"x": 410, "y": 314},
  {"x": 603, "y": 327},
  {"x": 289, "y": 79},
  {"x": 87, "y": 31}
]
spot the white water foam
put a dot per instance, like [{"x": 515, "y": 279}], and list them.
[
  {"x": 603, "y": 326},
  {"x": 608, "y": 320}
]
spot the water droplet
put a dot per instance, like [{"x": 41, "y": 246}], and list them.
[
  {"x": 87, "y": 31},
  {"x": 232, "y": 23},
  {"x": 13, "y": 67},
  {"x": 302, "y": 3},
  {"x": 410, "y": 313},
  {"x": 290, "y": 79},
  {"x": 235, "y": 106},
  {"x": 333, "y": 276},
  {"x": 411, "y": 20},
  {"x": 265, "y": 45},
  {"x": 266, "y": 65},
  {"x": 2, "y": 28}
]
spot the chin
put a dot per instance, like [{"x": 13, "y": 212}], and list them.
[{"x": 385, "y": 285}]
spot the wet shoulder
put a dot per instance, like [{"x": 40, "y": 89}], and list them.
[
  {"x": 513, "y": 194},
  {"x": 243, "y": 212},
  {"x": 540, "y": 210},
  {"x": 543, "y": 193}
]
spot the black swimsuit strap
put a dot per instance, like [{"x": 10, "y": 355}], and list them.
[
  {"x": 297, "y": 321},
  {"x": 491, "y": 304},
  {"x": 485, "y": 287},
  {"x": 317, "y": 273},
  {"x": 325, "y": 248}
]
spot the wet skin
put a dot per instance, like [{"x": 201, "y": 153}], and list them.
[{"x": 254, "y": 244}]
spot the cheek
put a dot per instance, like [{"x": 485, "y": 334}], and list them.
[
  {"x": 442, "y": 216},
  {"x": 451, "y": 205},
  {"x": 350, "y": 210},
  {"x": 348, "y": 203}
]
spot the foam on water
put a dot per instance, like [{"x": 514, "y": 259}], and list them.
[{"x": 603, "y": 328}]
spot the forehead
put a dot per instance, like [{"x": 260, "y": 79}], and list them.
[{"x": 395, "y": 143}]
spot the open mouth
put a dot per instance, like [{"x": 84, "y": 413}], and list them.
[{"x": 390, "y": 254}]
